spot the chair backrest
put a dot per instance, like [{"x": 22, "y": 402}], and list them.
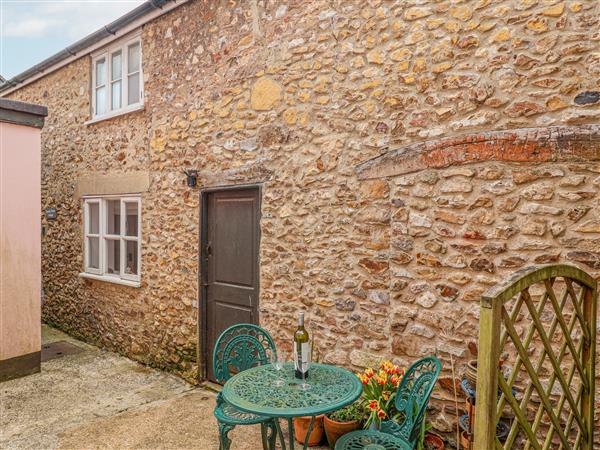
[
  {"x": 414, "y": 392},
  {"x": 241, "y": 347}
]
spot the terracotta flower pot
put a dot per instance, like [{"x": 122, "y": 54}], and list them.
[
  {"x": 471, "y": 412},
  {"x": 334, "y": 430},
  {"x": 434, "y": 441},
  {"x": 301, "y": 425},
  {"x": 465, "y": 440}
]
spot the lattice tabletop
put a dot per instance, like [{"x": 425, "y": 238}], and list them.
[{"x": 254, "y": 390}]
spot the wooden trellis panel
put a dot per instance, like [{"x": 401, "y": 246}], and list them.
[{"x": 537, "y": 336}]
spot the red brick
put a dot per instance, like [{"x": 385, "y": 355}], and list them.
[{"x": 548, "y": 144}]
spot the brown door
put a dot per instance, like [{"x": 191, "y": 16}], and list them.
[{"x": 231, "y": 254}]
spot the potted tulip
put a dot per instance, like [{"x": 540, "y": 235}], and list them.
[
  {"x": 342, "y": 421},
  {"x": 379, "y": 393}
]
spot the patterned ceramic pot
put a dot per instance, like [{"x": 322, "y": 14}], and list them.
[{"x": 471, "y": 372}]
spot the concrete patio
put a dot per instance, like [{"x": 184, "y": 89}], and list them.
[{"x": 97, "y": 399}]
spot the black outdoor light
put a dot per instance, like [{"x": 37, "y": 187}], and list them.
[{"x": 192, "y": 177}]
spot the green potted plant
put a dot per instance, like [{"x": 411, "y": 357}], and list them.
[{"x": 342, "y": 421}]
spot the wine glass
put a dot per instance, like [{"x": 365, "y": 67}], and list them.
[
  {"x": 303, "y": 370},
  {"x": 277, "y": 363}
]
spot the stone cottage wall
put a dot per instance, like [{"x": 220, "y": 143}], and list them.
[
  {"x": 456, "y": 226},
  {"x": 295, "y": 95}
]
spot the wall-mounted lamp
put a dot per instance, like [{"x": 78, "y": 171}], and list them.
[{"x": 192, "y": 177}]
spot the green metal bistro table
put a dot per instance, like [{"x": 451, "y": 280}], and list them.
[{"x": 254, "y": 391}]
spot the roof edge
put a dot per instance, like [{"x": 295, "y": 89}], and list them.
[
  {"x": 21, "y": 113},
  {"x": 139, "y": 16}
]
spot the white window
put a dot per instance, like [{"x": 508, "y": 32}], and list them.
[
  {"x": 117, "y": 83},
  {"x": 112, "y": 238}
]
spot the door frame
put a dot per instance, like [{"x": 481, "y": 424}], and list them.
[{"x": 202, "y": 352}]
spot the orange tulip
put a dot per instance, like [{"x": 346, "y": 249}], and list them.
[
  {"x": 381, "y": 413},
  {"x": 389, "y": 369},
  {"x": 373, "y": 404},
  {"x": 381, "y": 378}
]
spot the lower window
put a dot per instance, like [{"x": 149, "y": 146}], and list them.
[{"x": 112, "y": 237}]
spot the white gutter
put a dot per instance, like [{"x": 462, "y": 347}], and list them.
[{"x": 172, "y": 4}]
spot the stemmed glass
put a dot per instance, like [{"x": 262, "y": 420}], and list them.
[
  {"x": 277, "y": 362},
  {"x": 304, "y": 385}
]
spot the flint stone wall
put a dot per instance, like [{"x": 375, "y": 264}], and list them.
[{"x": 295, "y": 95}]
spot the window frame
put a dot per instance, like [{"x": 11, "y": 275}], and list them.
[
  {"x": 107, "y": 53},
  {"x": 87, "y": 235},
  {"x": 104, "y": 237},
  {"x": 119, "y": 80},
  {"x": 97, "y": 87}
]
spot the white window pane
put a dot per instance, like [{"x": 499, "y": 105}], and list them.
[
  {"x": 133, "y": 89},
  {"x": 93, "y": 252},
  {"x": 116, "y": 95},
  {"x": 113, "y": 256},
  {"x": 93, "y": 218},
  {"x": 133, "y": 58},
  {"x": 131, "y": 262},
  {"x": 101, "y": 72},
  {"x": 116, "y": 66},
  {"x": 113, "y": 217},
  {"x": 100, "y": 101},
  {"x": 131, "y": 219}
]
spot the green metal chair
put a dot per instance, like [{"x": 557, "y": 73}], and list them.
[
  {"x": 371, "y": 440},
  {"x": 241, "y": 347},
  {"x": 411, "y": 399}
]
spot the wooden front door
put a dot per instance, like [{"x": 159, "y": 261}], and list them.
[{"x": 231, "y": 245}]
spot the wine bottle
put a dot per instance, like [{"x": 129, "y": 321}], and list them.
[{"x": 301, "y": 348}]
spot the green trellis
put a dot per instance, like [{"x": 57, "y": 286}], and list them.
[{"x": 543, "y": 319}]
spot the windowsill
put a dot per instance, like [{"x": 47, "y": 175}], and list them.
[
  {"x": 113, "y": 114},
  {"x": 115, "y": 280}
]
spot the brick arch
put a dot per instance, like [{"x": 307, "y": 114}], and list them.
[{"x": 531, "y": 145}]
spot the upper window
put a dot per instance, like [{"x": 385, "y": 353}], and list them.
[
  {"x": 117, "y": 84},
  {"x": 112, "y": 237}
]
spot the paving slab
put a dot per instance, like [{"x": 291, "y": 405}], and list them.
[{"x": 183, "y": 422}]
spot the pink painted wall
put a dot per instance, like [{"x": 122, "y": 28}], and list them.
[{"x": 20, "y": 240}]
